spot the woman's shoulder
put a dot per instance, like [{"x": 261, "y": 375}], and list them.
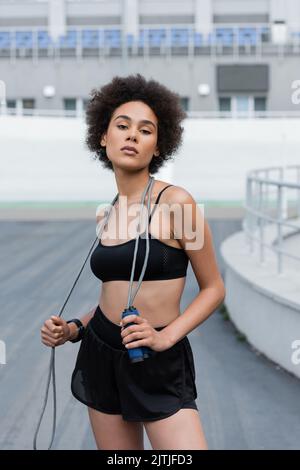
[{"x": 176, "y": 194}]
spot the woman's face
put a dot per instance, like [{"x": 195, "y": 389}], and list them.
[{"x": 132, "y": 124}]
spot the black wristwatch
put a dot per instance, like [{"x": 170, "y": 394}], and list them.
[{"x": 81, "y": 330}]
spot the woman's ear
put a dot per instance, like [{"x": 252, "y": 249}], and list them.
[{"x": 103, "y": 140}]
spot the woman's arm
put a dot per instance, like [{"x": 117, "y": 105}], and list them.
[{"x": 194, "y": 235}]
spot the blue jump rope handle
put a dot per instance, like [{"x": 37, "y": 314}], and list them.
[{"x": 143, "y": 352}]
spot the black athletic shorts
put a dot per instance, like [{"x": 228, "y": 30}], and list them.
[{"x": 106, "y": 380}]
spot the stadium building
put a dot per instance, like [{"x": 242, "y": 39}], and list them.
[{"x": 233, "y": 55}]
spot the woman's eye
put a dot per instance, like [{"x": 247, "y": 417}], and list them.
[{"x": 143, "y": 130}]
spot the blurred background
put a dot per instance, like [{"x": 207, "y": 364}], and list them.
[{"x": 235, "y": 65}]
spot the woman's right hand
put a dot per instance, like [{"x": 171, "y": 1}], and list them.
[{"x": 55, "y": 331}]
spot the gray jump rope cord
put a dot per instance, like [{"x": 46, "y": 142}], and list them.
[
  {"x": 129, "y": 302},
  {"x": 131, "y": 297}
]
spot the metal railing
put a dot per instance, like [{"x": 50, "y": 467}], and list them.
[
  {"x": 268, "y": 204},
  {"x": 35, "y": 112},
  {"x": 215, "y": 40},
  {"x": 80, "y": 113},
  {"x": 250, "y": 114}
]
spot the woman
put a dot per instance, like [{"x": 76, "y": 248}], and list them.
[{"x": 158, "y": 393}]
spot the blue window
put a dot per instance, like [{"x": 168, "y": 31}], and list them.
[
  {"x": 90, "y": 38},
  {"x": 4, "y": 40},
  {"x": 247, "y": 36},
  {"x": 24, "y": 39},
  {"x": 198, "y": 39},
  {"x": 112, "y": 37},
  {"x": 44, "y": 40},
  {"x": 179, "y": 37},
  {"x": 156, "y": 37},
  {"x": 69, "y": 40},
  {"x": 223, "y": 36}
]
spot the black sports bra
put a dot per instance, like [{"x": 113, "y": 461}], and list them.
[{"x": 111, "y": 263}]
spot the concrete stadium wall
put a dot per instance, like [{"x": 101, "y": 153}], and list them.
[
  {"x": 45, "y": 159},
  {"x": 262, "y": 305}
]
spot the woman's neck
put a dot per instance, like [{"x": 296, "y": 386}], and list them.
[{"x": 132, "y": 187}]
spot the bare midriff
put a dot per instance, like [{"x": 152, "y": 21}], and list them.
[{"x": 157, "y": 301}]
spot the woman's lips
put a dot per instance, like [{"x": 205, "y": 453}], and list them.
[{"x": 129, "y": 152}]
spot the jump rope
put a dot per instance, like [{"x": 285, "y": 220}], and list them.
[{"x": 135, "y": 354}]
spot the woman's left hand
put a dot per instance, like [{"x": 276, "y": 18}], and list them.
[{"x": 143, "y": 334}]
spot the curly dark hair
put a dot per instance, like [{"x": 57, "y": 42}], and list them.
[{"x": 164, "y": 103}]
